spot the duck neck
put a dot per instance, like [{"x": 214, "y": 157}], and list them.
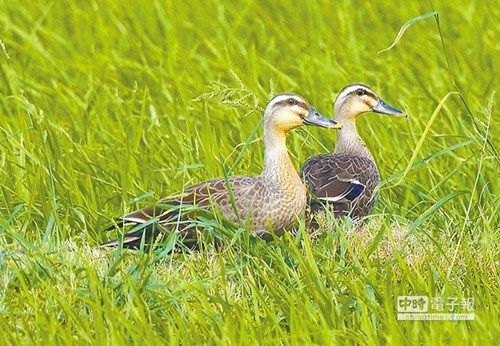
[
  {"x": 348, "y": 140},
  {"x": 278, "y": 167}
]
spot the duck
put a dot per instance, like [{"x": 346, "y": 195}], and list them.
[
  {"x": 266, "y": 204},
  {"x": 346, "y": 180}
]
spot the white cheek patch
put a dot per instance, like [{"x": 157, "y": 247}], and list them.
[
  {"x": 369, "y": 100},
  {"x": 299, "y": 111}
]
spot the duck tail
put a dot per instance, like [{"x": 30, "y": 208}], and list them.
[
  {"x": 139, "y": 234},
  {"x": 143, "y": 226}
]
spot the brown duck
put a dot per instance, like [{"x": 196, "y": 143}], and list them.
[
  {"x": 345, "y": 181},
  {"x": 267, "y": 203}
]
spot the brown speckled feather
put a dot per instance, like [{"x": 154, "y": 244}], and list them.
[
  {"x": 265, "y": 204},
  {"x": 347, "y": 183},
  {"x": 249, "y": 195}
]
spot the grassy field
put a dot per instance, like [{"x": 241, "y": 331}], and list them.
[{"x": 106, "y": 106}]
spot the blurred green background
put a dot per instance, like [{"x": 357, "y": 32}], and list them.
[{"x": 107, "y": 106}]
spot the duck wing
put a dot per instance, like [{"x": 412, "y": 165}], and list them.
[
  {"x": 176, "y": 212},
  {"x": 339, "y": 179}
]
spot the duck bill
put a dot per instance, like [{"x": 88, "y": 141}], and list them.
[
  {"x": 384, "y": 108},
  {"x": 317, "y": 119}
]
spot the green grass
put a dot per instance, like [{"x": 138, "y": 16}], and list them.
[{"x": 107, "y": 106}]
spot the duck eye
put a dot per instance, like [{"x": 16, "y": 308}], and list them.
[
  {"x": 360, "y": 92},
  {"x": 292, "y": 102}
]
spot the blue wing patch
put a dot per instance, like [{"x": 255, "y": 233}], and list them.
[{"x": 355, "y": 190}]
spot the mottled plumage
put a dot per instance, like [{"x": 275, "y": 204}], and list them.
[
  {"x": 270, "y": 202},
  {"x": 346, "y": 181}
]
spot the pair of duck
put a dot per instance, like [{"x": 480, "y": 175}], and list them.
[{"x": 273, "y": 201}]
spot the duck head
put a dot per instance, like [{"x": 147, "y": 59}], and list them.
[
  {"x": 288, "y": 111},
  {"x": 357, "y": 99}
]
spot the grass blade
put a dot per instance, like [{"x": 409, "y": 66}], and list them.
[{"x": 406, "y": 25}]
